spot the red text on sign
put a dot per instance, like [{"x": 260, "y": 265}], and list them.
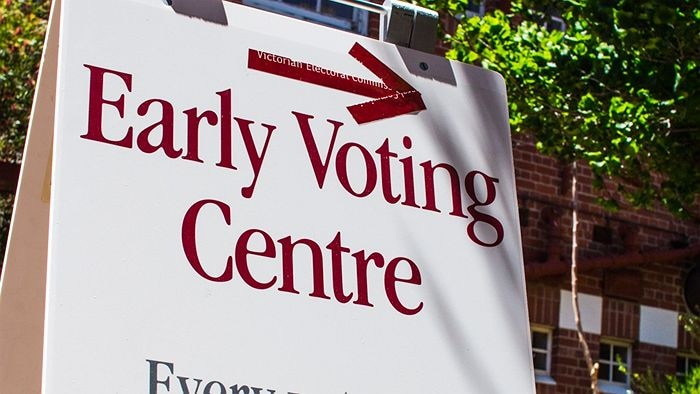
[{"x": 281, "y": 251}]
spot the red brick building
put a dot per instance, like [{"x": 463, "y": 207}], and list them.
[{"x": 633, "y": 270}]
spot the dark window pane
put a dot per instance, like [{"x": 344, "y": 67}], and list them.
[
  {"x": 307, "y": 4},
  {"x": 620, "y": 354},
  {"x": 473, "y": 6},
  {"x": 539, "y": 340},
  {"x": 680, "y": 365},
  {"x": 604, "y": 371},
  {"x": 335, "y": 9},
  {"x": 604, "y": 351},
  {"x": 619, "y": 376},
  {"x": 692, "y": 364},
  {"x": 540, "y": 361}
]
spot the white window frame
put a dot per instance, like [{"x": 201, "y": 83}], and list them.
[
  {"x": 686, "y": 357},
  {"x": 360, "y": 17},
  {"x": 610, "y": 386},
  {"x": 543, "y": 376},
  {"x": 557, "y": 19}
]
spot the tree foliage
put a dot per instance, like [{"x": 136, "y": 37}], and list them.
[
  {"x": 618, "y": 87},
  {"x": 22, "y": 27},
  {"x": 651, "y": 382}
]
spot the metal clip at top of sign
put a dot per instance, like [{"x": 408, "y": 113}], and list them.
[
  {"x": 400, "y": 23},
  {"x": 408, "y": 25}
]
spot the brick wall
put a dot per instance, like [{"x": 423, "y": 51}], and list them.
[
  {"x": 620, "y": 319},
  {"x": 568, "y": 367},
  {"x": 545, "y": 210},
  {"x": 543, "y": 186},
  {"x": 543, "y": 304}
]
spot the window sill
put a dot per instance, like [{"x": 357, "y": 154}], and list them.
[
  {"x": 612, "y": 388},
  {"x": 545, "y": 379}
]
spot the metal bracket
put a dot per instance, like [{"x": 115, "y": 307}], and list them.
[
  {"x": 408, "y": 25},
  {"x": 412, "y": 26}
]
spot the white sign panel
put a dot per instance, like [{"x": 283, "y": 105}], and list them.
[{"x": 268, "y": 206}]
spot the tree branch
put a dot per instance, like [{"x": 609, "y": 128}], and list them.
[{"x": 592, "y": 368}]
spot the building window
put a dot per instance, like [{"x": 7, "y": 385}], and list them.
[
  {"x": 555, "y": 23},
  {"x": 548, "y": 17},
  {"x": 541, "y": 350},
  {"x": 611, "y": 377},
  {"x": 475, "y": 8},
  {"x": 542, "y": 354},
  {"x": 324, "y": 12},
  {"x": 685, "y": 364}
]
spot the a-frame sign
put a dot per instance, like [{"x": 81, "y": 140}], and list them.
[{"x": 260, "y": 205}]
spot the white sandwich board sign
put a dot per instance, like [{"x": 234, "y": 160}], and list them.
[{"x": 262, "y": 205}]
